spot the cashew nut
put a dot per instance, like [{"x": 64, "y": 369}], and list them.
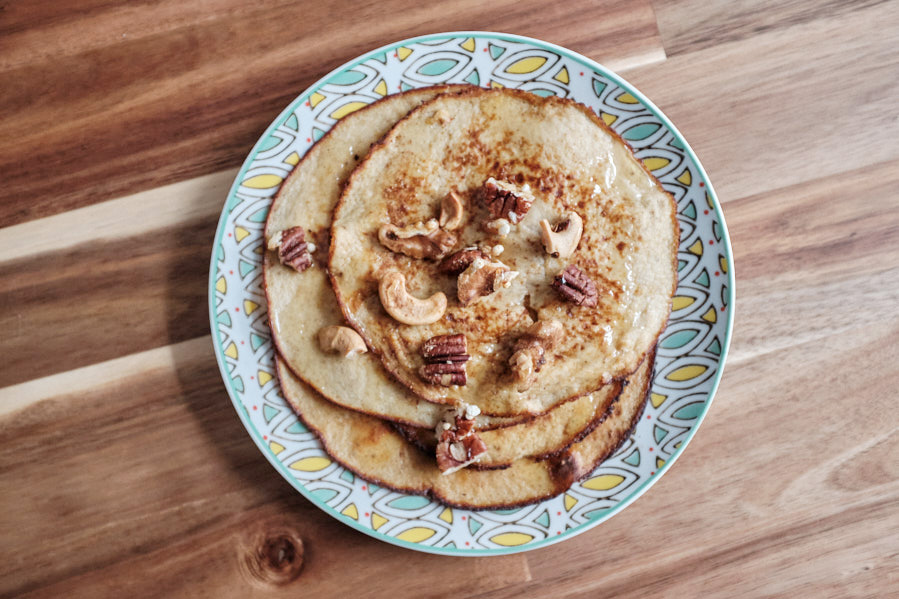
[
  {"x": 342, "y": 340},
  {"x": 562, "y": 240},
  {"x": 452, "y": 212},
  {"x": 404, "y": 307}
]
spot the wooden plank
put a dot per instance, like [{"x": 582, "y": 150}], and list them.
[
  {"x": 189, "y": 98},
  {"x": 789, "y": 105},
  {"x": 777, "y": 473},
  {"x": 154, "y": 473},
  {"x": 691, "y": 25},
  {"x": 58, "y": 309}
]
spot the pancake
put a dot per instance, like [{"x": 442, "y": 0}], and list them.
[
  {"x": 559, "y": 158},
  {"x": 375, "y": 451},
  {"x": 301, "y": 304}
]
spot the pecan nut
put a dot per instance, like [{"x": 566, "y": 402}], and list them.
[
  {"x": 458, "y": 445},
  {"x": 530, "y": 350},
  {"x": 421, "y": 240},
  {"x": 445, "y": 357},
  {"x": 457, "y": 262},
  {"x": 293, "y": 250},
  {"x": 575, "y": 286},
  {"x": 504, "y": 201}
]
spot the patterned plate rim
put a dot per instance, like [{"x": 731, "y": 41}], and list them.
[{"x": 592, "y": 521}]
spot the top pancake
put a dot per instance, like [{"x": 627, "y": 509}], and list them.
[{"x": 571, "y": 162}]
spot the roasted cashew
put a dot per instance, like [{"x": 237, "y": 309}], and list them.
[
  {"x": 342, "y": 340},
  {"x": 452, "y": 212},
  {"x": 562, "y": 240},
  {"x": 406, "y": 308}
]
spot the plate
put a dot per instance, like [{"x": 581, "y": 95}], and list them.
[{"x": 692, "y": 349}]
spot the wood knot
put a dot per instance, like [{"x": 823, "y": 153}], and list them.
[{"x": 274, "y": 557}]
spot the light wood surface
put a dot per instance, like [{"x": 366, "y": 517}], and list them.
[{"x": 124, "y": 470}]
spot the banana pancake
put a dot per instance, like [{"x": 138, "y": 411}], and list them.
[
  {"x": 486, "y": 220},
  {"x": 375, "y": 451}
]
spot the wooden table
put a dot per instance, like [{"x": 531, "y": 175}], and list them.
[{"x": 124, "y": 469}]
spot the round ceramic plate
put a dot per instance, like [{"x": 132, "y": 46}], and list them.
[{"x": 692, "y": 348}]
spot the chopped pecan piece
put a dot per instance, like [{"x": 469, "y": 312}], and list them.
[
  {"x": 505, "y": 202},
  {"x": 458, "y": 445},
  {"x": 457, "y": 262},
  {"x": 530, "y": 351},
  {"x": 445, "y": 357},
  {"x": 293, "y": 251},
  {"x": 573, "y": 285},
  {"x": 421, "y": 240},
  {"x": 481, "y": 278}
]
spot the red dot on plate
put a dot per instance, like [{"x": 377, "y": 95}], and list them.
[
  {"x": 652, "y": 473},
  {"x": 364, "y": 487},
  {"x": 717, "y": 274},
  {"x": 582, "y": 73},
  {"x": 395, "y": 55},
  {"x": 308, "y": 140},
  {"x": 722, "y": 308},
  {"x": 701, "y": 184},
  {"x": 307, "y": 103},
  {"x": 366, "y": 514},
  {"x": 251, "y": 378},
  {"x": 255, "y": 408},
  {"x": 650, "y": 449},
  {"x": 558, "y": 532},
  {"x": 230, "y": 272},
  {"x": 558, "y": 513},
  {"x": 229, "y": 234},
  {"x": 265, "y": 437},
  {"x": 463, "y": 517},
  {"x": 705, "y": 211},
  {"x": 485, "y": 49},
  {"x": 711, "y": 242},
  {"x": 648, "y": 417},
  {"x": 237, "y": 309},
  {"x": 467, "y": 543}
]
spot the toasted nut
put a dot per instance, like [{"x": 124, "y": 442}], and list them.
[
  {"x": 523, "y": 368},
  {"x": 452, "y": 212},
  {"x": 421, "y": 240},
  {"x": 575, "y": 286},
  {"x": 292, "y": 248},
  {"x": 530, "y": 351},
  {"x": 406, "y": 308},
  {"x": 457, "y": 451},
  {"x": 457, "y": 262},
  {"x": 561, "y": 240},
  {"x": 548, "y": 332},
  {"x": 505, "y": 200},
  {"x": 342, "y": 340},
  {"x": 483, "y": 278}
]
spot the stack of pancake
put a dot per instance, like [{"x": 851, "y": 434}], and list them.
[{"x": 432, "y": 166}]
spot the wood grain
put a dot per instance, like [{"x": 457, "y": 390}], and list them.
[
  {"x": 691, "y": 25},
  {"x": 119, "y": 114},
  {"x": 154, "y": 473},
  {"x": 818, "y": 97}
]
